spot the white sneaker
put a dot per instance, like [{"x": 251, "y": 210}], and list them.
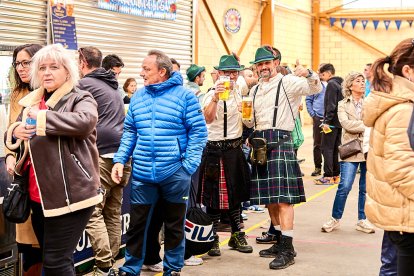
[
  {"x": 365, "y": 226},
  {"x": 155, "y": 268},
  {"x": 193, "y": 261},
  {"x": 330, "y": 225}
]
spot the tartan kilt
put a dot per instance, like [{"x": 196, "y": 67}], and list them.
[
  {"x": 236, "y": 173},
  {"x": 280, "y": 180}
]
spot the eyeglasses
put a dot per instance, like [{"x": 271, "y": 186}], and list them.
[
  {"x": 228, "y": 73},
  {"x": 82, "y": 56},
  {"x": 24, "y": 63}
]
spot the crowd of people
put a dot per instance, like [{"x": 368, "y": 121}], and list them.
[{"x": 68, "y": 132}]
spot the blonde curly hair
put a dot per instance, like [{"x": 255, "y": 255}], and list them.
[{"x": 347, "y": 83}]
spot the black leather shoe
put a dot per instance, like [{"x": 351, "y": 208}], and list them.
[
  {"x": 286, "y": 255},
  {"x": 266, "y": 238},
  {"x": 316, "y": 172}
]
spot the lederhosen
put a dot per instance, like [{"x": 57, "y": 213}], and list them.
[{"x": 224, "y": 173}]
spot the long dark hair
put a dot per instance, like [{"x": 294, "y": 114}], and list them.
[
  {"x": 403, "y": 54},
  {"x": 31, "y": 49}
]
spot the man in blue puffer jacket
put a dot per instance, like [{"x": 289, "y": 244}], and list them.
[{"x": 165, "y": 133}]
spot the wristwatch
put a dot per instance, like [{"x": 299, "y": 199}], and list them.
[{"x": 310, "y": 73}]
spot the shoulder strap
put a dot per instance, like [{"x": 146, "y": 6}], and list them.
[
  {"x": 276, "y": 103},
  {"x": 225, "y": 120},
  {"x": 254, "y": 113}
]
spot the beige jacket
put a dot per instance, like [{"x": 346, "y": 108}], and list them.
[
  {"x": 390, "y": 165},
  {"x": 352, "y": 126}
]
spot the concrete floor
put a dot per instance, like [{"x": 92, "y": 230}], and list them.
[{"x": 342, "y": 252}]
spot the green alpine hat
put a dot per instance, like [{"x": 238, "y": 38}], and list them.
[
  {"x": 263, "y": 54},
  {"x": 229, "y": 63},
  {"x": 193, "y": 71}
]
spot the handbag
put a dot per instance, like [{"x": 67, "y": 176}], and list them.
[
  {"x": 199, "y": 236},
  {"x": 16, "y": 204},
  {"x": 349, "y": 149}
]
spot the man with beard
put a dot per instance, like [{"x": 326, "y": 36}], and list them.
[
  {"x": 278, "y": 182},
  {"x": 104, "y": 227}
]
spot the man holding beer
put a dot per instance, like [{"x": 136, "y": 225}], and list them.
[
  {"x": 224, "y": 172},
  {"x": 278, "y": 182}
]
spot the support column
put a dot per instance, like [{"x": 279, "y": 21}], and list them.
[
  {"x": 267, "y": 24},
  {"x": 315, "y": 35}
]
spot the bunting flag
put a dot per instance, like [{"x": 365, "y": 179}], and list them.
[
  {"x": 387, "y": 24},
  {"x": 332, "y": 20},
  {"x": 364, "y": 23},
  {"x": 398, "y": 23},
  {"x": 343, "y": 21},
  {"x": 375, "y": 23},
  {"x": 410, "y": 22},
  {"x": 354, "y": 21}
]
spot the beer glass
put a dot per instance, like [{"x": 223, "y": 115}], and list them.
[
  {"x": 247, "y": 108},
  {"x": 224, "y": 96}
]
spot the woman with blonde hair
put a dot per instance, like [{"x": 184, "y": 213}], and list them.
[
  {"x": 58, "y": 125},
  {"x": 390, "y": 176},
  {"x": 349, "y": 115}
]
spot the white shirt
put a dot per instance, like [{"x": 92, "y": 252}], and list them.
[
  {"x": 264, "y": 101},
  {"x": 234, "y": 117}
]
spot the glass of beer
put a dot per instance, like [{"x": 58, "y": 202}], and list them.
[
  {"x": 224, "y": 96},
  {"x": 247, "y": 108}
]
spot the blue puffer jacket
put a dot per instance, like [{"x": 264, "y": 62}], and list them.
[{"x": 164, "y": 129}]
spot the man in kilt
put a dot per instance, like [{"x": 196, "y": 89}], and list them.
[
  {"x": 278, "y": 182},
  {"x": 224, "y": 173}
]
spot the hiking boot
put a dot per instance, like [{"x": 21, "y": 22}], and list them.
[
  {"x": 238, "y": 242},
  {"x": 286, "y": 254},
  {"x": 266, "y": 238},
  {"x": 215, "y": 250},
  {"x": 330, "y": 225},
  {"x": 336, "y": 179},
  {"x": 316, "y": 172},
  {"x": 324, "y": 181},
  {"x": 272, "y": 251},
  {"x": 365, "y": 226}
]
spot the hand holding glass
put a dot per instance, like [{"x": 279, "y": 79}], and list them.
[{"x": 247, "y": 108}]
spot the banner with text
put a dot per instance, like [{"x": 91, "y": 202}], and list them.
[
  {"x": 159, "y": 9},
  {"x": 63, "y": 24}
]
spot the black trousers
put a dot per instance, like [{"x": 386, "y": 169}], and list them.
[
  {"x": 330, "y": 144},
  {"x": 405, "y": 251},
  {"x": 58, "y": 237},
  {"x": 317, "y": 142}
]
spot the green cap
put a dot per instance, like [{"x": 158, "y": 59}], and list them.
[
  {"x": 229, "y": 63},
  {"x": 263, "y": 54},
  {"x": 193, "y": 71}
]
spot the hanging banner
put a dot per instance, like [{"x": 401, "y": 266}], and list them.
[
  {"x": 398, "y": 24},
  {"x": 332, "y": 20},
  {"x": 63, "y": 23},
  {"x": 343, "y": 21},
  {"x": 410, "y": 22},
  {"x": 160, "y": 9},
  {"x": 387, "y": 24},
  {"x": 375, "y": 23},
  {"x": 364, "y": 23},
  {"x": 353, "y": 22}
]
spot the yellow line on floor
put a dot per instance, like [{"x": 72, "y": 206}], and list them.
[{"x": 257, "y": 225}]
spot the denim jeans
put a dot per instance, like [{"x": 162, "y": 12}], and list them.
[{"x": 348, "y": 172}]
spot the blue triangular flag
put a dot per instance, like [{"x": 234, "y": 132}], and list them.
[
  {"x": 410, "y": 22},
  {"x": 343, "y": 21},
  {"x": 387, "y": 24},
  {"x": 398, "y": 23},
  {"x": 354, "y": 21},
  {"x": 364, "y": 23},
  {"x": 375, "y": 23},
  {"x": 332, "y": 20}
]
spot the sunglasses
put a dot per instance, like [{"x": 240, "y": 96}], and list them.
[{"x": 24, "y": 64}]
